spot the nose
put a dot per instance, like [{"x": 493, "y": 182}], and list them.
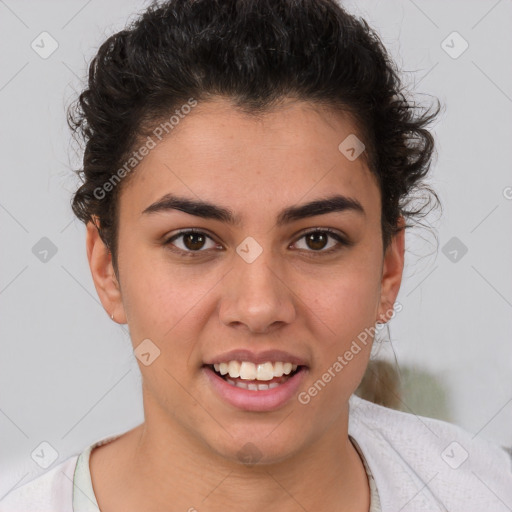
[{"x": 256, "y": 296}]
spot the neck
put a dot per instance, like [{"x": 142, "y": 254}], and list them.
[{"x": 175, "y": 471}]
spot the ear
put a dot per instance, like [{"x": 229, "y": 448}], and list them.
[
  {"x": 103, "y": 275},
  {"x": 392, "y": 271}
]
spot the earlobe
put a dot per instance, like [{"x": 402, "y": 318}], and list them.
[
  {"x": 392, "y": 271},
  {"x": 103, "y": 275}
]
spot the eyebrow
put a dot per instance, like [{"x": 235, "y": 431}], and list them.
[{"x": 205, "y": 210}]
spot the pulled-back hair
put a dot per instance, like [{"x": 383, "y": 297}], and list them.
[{"x": 254, "y": 53}]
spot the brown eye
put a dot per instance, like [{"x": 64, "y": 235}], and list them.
[
  {"x": 191, "y": 241},
  {"x": 194, "y": 241},
  {"x": 318, "y": 241}
]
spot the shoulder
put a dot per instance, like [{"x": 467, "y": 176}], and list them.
[
  {"x": 51, "y": 491},
  {"x": 421, "y": 463}
]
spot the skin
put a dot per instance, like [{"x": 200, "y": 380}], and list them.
[{"x": 292, "y": 297}]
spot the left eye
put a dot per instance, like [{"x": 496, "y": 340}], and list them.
[{"x": 317, "y": 240}]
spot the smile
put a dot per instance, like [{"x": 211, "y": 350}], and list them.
[
  {"x": 256, "y": 387},
  {"x": 245, "y": 374}
]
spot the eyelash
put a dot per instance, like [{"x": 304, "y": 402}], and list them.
[{"x": 341, "y": 242}]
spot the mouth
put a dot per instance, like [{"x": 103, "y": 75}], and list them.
[
  {"x": 261, "y": 377},
  {"x": 251, "y": 386}
]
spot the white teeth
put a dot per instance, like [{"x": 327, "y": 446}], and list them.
[
  {"x": 278, "y": 369},
  {"x": 265, "y": 371},
  {"x": 238, "y": 384},
  {"x": 247, "y": 370},
  {"x": 287, "y": 368},
  {"x": 252, "y": 386},
  {"x": 234, "y": 369}
]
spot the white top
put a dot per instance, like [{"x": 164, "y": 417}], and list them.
[{"x": 414, "y": 464}]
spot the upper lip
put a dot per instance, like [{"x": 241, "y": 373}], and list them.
[{"x": 256, "y": 357}]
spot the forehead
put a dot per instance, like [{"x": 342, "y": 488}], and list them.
[{"x": 218, "y": 153}]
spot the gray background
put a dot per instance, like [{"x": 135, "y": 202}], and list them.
[{"x": 67, "y": 372}]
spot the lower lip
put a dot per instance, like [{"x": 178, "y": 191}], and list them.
[{"x": 265, "y": 400}]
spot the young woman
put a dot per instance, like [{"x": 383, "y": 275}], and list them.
[{"x": 247, "y": 183}]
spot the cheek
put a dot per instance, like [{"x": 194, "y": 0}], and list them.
[
  {"x": 347, "y": 308},
  {"x": 158, "y": 295},
  {"x": 165, "y": 304},
  {"x": 344, "y": 341},
  {"x": 350, "y": 295},
  {"x": 349, "y": 313}
]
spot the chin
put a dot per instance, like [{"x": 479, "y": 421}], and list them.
[{"x": 250, "y": 446}]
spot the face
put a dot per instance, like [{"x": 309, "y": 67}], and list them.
[{"x": 273, "y": 272}]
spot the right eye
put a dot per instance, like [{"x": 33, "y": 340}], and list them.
[{"x": 192, "y": 241}]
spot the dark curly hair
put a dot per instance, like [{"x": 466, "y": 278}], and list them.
[{"x": 256, "y": 53}]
